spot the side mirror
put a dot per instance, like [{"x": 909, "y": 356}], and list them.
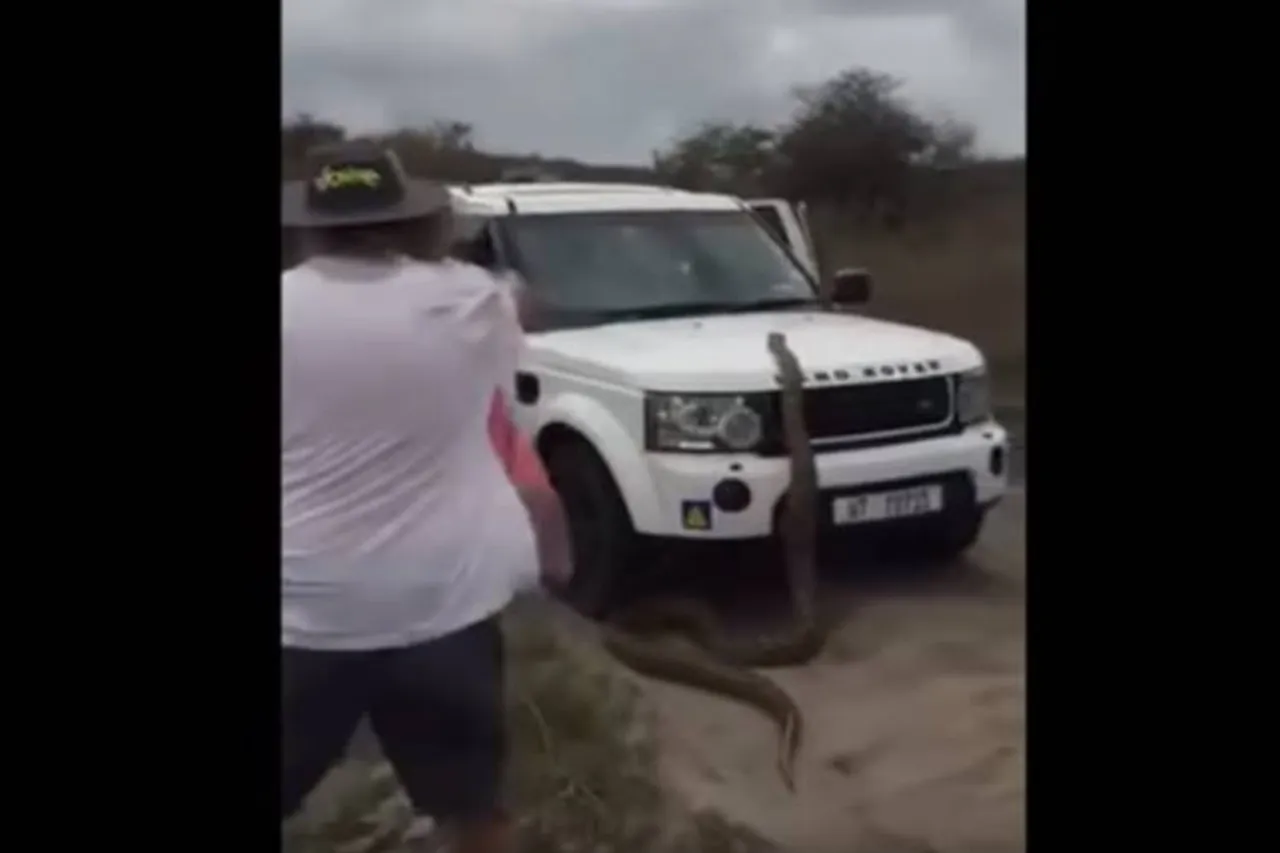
[{"x": 851, "y": 286}]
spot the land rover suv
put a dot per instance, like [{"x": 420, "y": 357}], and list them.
[{"x": 650, "y": 394}]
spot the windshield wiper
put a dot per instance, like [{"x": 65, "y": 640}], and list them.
[
  {"x": 770, "y": 304},
  {"x": 692, "y": 309},
  {"x": 658, "y": 312}
]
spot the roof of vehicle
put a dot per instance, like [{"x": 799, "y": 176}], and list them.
[{"x": 553, "y": 197}]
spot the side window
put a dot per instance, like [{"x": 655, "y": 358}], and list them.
[{"x": 769, "y": 214}]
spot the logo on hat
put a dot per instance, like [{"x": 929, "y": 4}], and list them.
[{"x": 343, "y": 177}]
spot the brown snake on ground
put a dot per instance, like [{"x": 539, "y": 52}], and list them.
[{"x": 723, "y": 667}]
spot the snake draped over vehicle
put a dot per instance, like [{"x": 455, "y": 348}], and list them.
[{"x": 715, "y": 663}]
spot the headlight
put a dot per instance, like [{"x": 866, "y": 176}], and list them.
[
  {"x": 692, "y": 422},
  {"x": 973, "y": 397}
]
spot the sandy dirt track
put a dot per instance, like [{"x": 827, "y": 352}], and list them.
[{"x": 915, "y": 736}]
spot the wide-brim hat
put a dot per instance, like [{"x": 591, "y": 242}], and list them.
[{"x": 357, "y": 183}]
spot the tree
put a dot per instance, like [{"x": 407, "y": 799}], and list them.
[
  {"x": 303, "y": 132},
  {"x": 444, "y": 150},
  {"x": 852, "y": 141},
  {"x": 451, "y": 135},
  {"x": 950, "y": 145},
  {"x": 738, "y": 158}
]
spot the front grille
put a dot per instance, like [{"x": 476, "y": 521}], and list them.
[
  {"x": 850, "y": 411},
  {"x": 854, "y": 415}
]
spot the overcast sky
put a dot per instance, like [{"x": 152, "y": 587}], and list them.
[{"x": 611, "y": 80}]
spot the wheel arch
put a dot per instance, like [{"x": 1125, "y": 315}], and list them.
[{"x": 623, "y": 465}]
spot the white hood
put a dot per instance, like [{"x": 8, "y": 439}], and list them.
[{"x": 728, "y": 353}]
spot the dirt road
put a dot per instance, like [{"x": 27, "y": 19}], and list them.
[
  {"x": 915, "y": 738},
  {"x": 915, "y": 711}
]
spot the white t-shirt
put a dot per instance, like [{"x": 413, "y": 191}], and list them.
[{"x": 398, "y": 522}]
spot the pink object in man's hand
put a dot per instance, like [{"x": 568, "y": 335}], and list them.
[
  {"x": 527, "y": 474},
  {"x": 517, "y": 454}
]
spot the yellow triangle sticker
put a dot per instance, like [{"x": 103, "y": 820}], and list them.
[{"x": 696, "y": 517}]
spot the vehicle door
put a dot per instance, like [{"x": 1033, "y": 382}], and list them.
[{"x": 790, "y": 226}]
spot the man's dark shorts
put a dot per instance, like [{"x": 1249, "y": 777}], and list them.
[{"x": 436, "y": 709}]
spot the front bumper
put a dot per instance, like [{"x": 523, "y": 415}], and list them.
[{"x": 976, "y": 459}]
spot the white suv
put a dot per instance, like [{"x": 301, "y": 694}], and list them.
[{"x": 654, "y": 401}]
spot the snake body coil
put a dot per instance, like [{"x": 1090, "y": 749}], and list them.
[{"x": 713, "y": 663}]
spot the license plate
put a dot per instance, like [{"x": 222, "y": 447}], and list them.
[{"x": 886, "y": 506}]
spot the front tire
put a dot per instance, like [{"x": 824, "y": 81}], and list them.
[{"x": 604, "y": 542}]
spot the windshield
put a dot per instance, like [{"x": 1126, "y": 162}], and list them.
[{"x": 599, "y": 267}]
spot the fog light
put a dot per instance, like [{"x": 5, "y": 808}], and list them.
[{"x": 731, "y": 496}]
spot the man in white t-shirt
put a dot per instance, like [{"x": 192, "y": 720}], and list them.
[{"x": 402, "y": 537}]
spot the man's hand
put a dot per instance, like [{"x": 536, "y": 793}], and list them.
[{"x": 551, "y": 532}]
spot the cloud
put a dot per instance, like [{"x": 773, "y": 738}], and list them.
[{"x": 611, "y": 80}]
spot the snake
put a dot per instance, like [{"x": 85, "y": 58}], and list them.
[{"x": 639, "y": 636}]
